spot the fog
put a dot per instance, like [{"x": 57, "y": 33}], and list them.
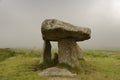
[{"x": 20, "y": 21}]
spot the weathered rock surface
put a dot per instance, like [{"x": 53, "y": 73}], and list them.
[
  {"x": 54, "y": 30},
  {"x": 54, "y": 71},
  {"x": 69, "y": 52},
  {"x": 46, "y": 51}
]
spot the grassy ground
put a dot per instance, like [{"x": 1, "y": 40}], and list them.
[{"x": 19, "y": 64}]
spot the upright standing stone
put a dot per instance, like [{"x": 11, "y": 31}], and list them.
[
  {"x": 47, "y": 51},
  {"x": 68, "y": 52}
]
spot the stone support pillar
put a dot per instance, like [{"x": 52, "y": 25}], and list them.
[
  {"x": 47, "y": 51},
  {"x": 69, "y": 52}
]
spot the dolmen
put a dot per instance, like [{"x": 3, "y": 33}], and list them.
[{"x": 66, "y": 35}]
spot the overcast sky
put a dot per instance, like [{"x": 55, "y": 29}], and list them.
[{"x": 20, "y": 21}]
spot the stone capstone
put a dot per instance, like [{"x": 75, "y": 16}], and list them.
[{"x": 54, "y": 30}]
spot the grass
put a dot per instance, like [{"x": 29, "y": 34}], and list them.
[{"x": 19, "y": 64}]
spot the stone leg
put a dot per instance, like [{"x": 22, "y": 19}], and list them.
[
  {"x": 79, "y": 52},
  {"x": 69, "y": 52},
  {"x": 47, "y": 51}
]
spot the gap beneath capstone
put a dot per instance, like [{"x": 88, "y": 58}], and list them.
[{"x": 54, "y": 48}]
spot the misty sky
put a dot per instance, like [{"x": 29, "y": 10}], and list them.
[{"x": 20, "y": 21}]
